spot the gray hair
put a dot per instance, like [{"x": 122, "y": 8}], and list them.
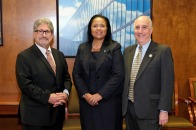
[{"x": 40, "y": 21}]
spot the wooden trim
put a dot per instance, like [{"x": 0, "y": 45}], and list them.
[{"x": 9, "y": 103}]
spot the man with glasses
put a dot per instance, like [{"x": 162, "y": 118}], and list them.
[{"x": 44, "y": 81}]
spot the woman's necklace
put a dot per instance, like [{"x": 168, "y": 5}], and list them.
[{"x": 96, "y": 48}]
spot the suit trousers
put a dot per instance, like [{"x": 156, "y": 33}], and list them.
[{"x": 134, "y": 123}]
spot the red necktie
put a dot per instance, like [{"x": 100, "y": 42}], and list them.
[{"x": 51, "y": 60}]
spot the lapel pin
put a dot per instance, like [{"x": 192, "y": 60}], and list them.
[
  {"x": 150, "y": 55},
  {"x": 104, "y": 51}
]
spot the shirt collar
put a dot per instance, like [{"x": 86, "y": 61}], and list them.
[
  {"x": 43, "y": 50},
  {"x": 145, "y": 46}
]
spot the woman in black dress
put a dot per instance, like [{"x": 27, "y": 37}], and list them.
[{"x": 98, "y": 76}]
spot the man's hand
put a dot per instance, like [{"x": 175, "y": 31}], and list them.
[{"x": 163, "y": 118}]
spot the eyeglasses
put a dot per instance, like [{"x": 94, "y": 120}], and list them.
[{"x": 41, "y": 32}]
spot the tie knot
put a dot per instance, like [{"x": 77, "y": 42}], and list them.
[
  {"x": 47, "y": 52},
  {"x": 140, "y": 48}
]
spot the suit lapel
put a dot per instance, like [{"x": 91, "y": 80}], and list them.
[
  {"x": 41, "y": 57},
  {"x": 86, "y": 57},
  {"x": 130, "y": 58},
  {"x": 105, "y": 50},
  {"x": 56, "y": 59},
  {"x": 102, "y": 55},
  {"x": 147, "y": 58}
]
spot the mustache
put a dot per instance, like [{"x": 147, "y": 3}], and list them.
[{"x": 43, "y": 38}]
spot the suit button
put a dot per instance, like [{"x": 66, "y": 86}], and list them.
[{"x": 97, "y": 77}]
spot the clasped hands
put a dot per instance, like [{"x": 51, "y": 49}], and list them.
[
  {"x": 93, "y": 99},
  {"x": 58, "y": 99}
]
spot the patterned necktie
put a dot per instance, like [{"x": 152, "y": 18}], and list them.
[
  {"x": 51, "y": 61},
  {"x": 134, "y": 71}
]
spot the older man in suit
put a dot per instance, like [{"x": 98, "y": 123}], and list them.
[
  {"x": 147, "y": 97},
  {"x": 44, "y": 81}
]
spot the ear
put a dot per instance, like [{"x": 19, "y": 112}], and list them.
[{"x": 151, "y": 30}]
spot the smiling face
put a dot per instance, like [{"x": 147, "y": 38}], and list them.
[
  {"x": 44, "y": 39},
  {"x": 142, "y": 29},
  {"x": 99, "y": 28}
]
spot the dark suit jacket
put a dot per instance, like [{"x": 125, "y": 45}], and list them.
[
  {"x": 37, "y": 81},
  {"x": 109, "y": 70},
  {"x": 109, "y": 84},
  {"x": 153, "y": 87}
]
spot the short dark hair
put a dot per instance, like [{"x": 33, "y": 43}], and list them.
[{"x": 108, "y": 36}]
